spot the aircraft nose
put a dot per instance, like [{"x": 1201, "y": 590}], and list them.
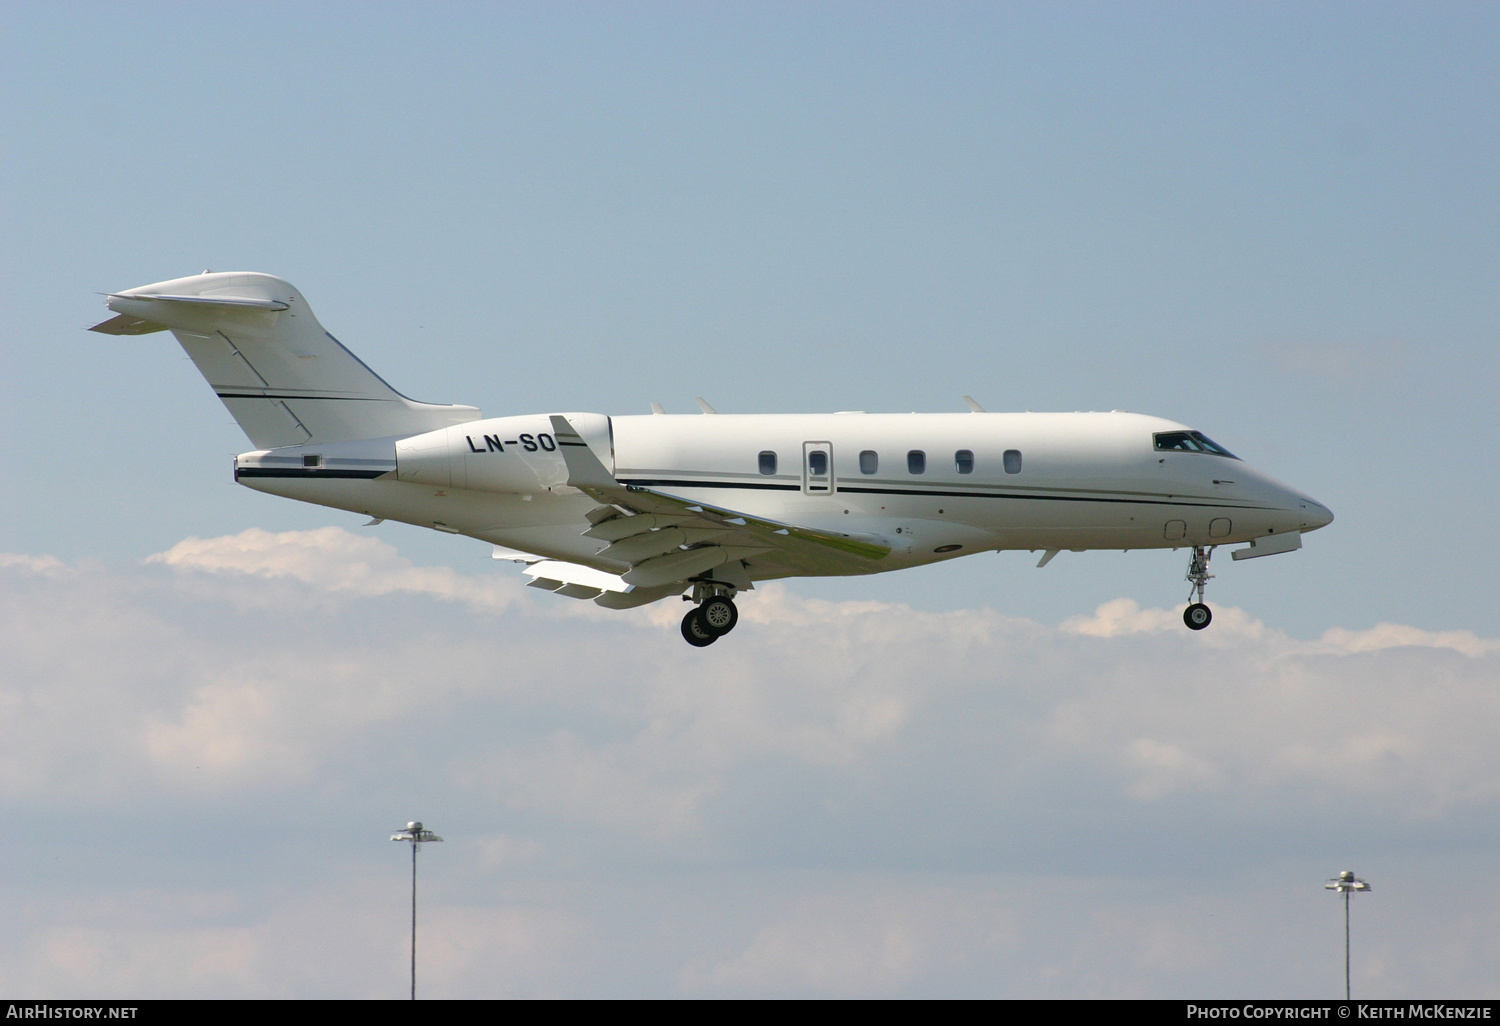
[{"x": 1315, "y": 515}]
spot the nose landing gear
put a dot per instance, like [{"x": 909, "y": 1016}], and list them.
[
  {"x": 1197, "y": 615},
  {"x": 714, "y": 617}
]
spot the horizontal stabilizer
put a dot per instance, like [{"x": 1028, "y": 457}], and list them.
[
  {"x": 125, "y": 324},
  {"x": 250, "y": 302}
]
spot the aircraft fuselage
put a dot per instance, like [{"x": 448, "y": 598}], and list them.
[{"x": 933, "y": 486}]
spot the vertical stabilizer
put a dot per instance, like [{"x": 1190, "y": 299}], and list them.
[{"x": 285, "y": 380}]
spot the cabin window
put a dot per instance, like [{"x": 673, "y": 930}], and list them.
[
  {"x": 963, "y": 461},
  {"x": 817, "y": 463},
  {"x": 869, "y": 461},
  {"x": 916, "y": 462},
  {"x": 1012, "y": 461},
  {"x": 1190, "y": 441},
  {"x": 768, "y": 463},
  {"x": 312, "y": 460}
]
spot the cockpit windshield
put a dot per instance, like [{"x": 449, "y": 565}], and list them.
[{"x": 1190, "y": 441}]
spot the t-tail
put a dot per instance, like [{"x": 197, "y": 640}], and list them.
[{"x": 285, "y": 380}]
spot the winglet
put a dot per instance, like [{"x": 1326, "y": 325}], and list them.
[{"x": 584, "y": 468}]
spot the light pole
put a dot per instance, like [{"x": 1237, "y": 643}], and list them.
[
  {"x": 1346, "y": 883},
  {"x": 418, "y": 837}
]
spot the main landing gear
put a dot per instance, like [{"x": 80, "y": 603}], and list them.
[
  {"x": 714, "y": 617},
  {"x": 1197, "y": 615}
]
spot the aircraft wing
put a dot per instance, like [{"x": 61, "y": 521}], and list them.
[{"x": 667, "y": 539}]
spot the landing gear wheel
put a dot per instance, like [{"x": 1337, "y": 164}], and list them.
[
  {"x": 695, "y": 633},
  {"x": 719, "y": 616},
  {"x": 1198, "y": 616}
]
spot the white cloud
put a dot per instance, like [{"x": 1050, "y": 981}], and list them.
[
  {"x": 49, "y": 565},
  {"x": 1396, "y": 635},
  {"x": 317, "y": 673},
  {"x": 335, "y": 560},
  {"x": 1163, "y": 769},
  {"x": 634, "y": 786},
  {"x": 1120, "y": 617},
  {"x": 865, "y": 944}
]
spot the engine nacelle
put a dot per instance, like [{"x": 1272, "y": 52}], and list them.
[{"x": 516, "y": 455}]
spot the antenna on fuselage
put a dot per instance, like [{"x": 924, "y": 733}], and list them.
[
  {"x": 703, "y": 405},
  {"x": 973, "y": 406}
]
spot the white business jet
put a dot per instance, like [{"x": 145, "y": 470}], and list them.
[{"x": 630, "y": 510}]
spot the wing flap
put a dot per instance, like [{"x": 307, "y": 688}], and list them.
[
  {"x": 558, "y": 574},
  {"x": 585, "y": 582},
  {"x": 681, "y": 565},
  {"x": 621, "y": 528}
]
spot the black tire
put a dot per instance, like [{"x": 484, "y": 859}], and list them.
[
  {"x": 695, "y": 633},
  {"x": 1197, "y": 616},
  {"x": 718, "y": 616}
]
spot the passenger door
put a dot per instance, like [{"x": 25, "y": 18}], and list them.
[{"x": 817, "y": 468}]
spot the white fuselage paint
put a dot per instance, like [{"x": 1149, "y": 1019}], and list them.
[{"x": 1086, "y": 481}]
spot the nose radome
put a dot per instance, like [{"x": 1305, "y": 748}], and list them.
[{"x": 1315, "y": 515}]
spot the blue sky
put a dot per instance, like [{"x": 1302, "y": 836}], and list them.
[{"x": 1275, "y": 222}]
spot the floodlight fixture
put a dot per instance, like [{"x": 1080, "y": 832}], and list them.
[
  {"x": 1346, "y": 883},
  {"x": 417, "y": 835}
]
